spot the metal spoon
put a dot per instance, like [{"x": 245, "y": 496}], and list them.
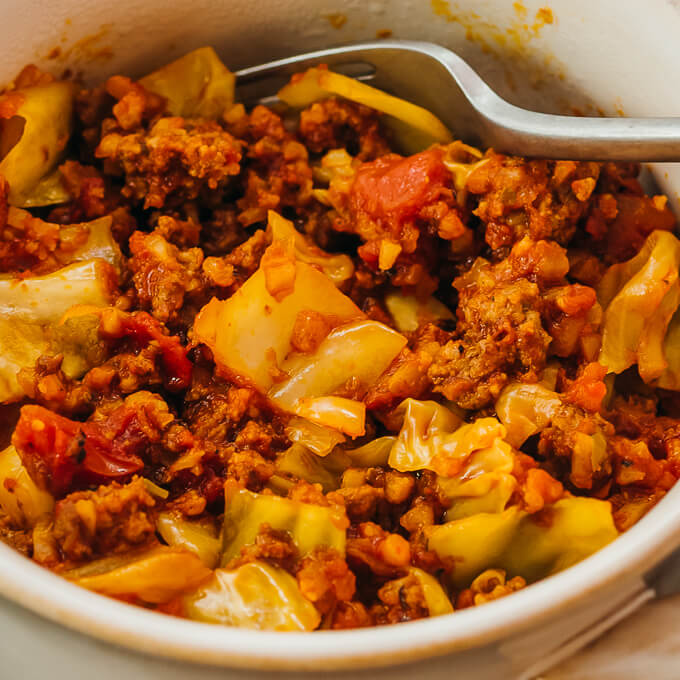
[{"x": 439, "y": 80}]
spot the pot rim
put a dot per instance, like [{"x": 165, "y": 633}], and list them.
[{"x": 642, "y": 547}]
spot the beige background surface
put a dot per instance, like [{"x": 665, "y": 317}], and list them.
[{"x": 644, "y": 647}]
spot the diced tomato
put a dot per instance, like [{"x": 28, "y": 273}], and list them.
[
  {"x": 588, "y": 390},
  {"x": 393, "y": 188},
  {"x": 60, "y": 453},
  {"x": 143, "y": 328}
]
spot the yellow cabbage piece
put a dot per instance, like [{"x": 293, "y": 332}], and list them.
[
  {"x": 30, "y": 309},
  {"x": 303, "y": 464},
  {"x": 639, "y": 298},
  {"x": 256, "y": 595},
  {"x": 531, "y": 546},
  {"x": 321, "y": 440},
  {"x": 374, "y": 454},
  {"x": 310, "y": 526},
  {"x": 154, "y": 576},
  {"x": 430, "y": 429},
  {"x": 360, "y": 350},
  {"x": 44, "y": 299},
  {"x": 199, "y": 537},
  {"x": 526, "y": 409},
  {"x": 436, "y": 599},
  {"x": 300, "y": 462},
  {"x": 197, "y": 85},
  {"x": 338, "y": 268},
  {"x": 415, "y": 127},
  {"x": 21, "y": 345},
  {"x": 77, "y": 338},
  {"x": 461, "y": 160},
  {"x": 670, "y": 378},
  {"x": 20, "y": 498},
  {"x": 100, "y": 243},
  {"x": 424, "y": 427},
  {"x": 346, "y": 415},
  {"x": 250, "y": 333},
  {"x": 50, "y": 190},
  {"x": 32, "y": 142},
  {"x": 485, "y": 483},
  {"x": 409, "y": 312}
]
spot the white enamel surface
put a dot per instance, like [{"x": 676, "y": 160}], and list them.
[{"x": 613, "y": 54}]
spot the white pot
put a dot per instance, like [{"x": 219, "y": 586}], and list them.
[{"x": 611, "y": 55}]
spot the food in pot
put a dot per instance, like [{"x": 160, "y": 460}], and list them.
[{"x": 320, "y": 365}]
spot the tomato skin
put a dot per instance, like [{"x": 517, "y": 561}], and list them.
[
  {"x": 61, "y": 454},
  {"x": 142, "y": 328},
  {"x": 50, "y": 447}
]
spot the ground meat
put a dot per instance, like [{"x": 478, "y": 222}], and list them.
[
  {"x": 213, "y": 408},
  {"x": 620, "y": 223},
  {"x": 277, "y": 171},
  {"x": 249, "y": 468},
  {"x": 351, "y": 615},
  {"x": 402, "y": 599},
  {"x": 408, "y": 374},
  {"x": 163, "y": 275},
  {"x": 325, "y": 579},
  {"x": 577, "y": 443},
  {"x": 271, "y": 545},
  {"x": 112, "y": 519},
  {"x": 135, "y": 103},
  {"x": 245, "y": 258},
  {"x": 340, "y": 124},
  {"x": 222, "y": 232},
  {"x": 488, "y": 586},
  {"x": 92, "y": 197},
  {"x": 173, "y": 161},
  {"x": 395, "y": 205},
  {"x": 509, "y": 316},
  {"x": 501, "y": 337},
  {"x": 27, "y": 242},
  {"x": 383, "y": 553},
  {"x": 541, "y": 199},
  {"x": 19, "y": 539}
]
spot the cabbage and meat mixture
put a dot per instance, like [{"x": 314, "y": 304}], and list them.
[{"x": 318, "y": 365}]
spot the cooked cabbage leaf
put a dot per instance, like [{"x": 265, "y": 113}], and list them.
[
  {"x": 251, "y": 337},
  {"x": 250, "y": 332},
  {"x": 30, "y": 309},
  {"x": 430, "y": 430},
  {"x": 531, "y": 546},
  {"x": 310, "y": 526},
  {"x": 360, "y": 350},
  {"x": 197, "y": 85},
  {"x": 153, "y": 576},
  {"x": 639, "y": 298},
  {"x": 199, "y": 537},
  {"x": 34, "y": 129},
  {"x": 485, "y": 483},
  {"x": 301, "y": 463},
  {"x": 321, "y": 440},
  {"x": 20, "y": 498},
  {"x": 409, "y": 312},
  {"x": 414, "y": 128},
  {"x": 256, "y": 595},
  {"x": 98, "y": 240},
  {"x": 436, "y": 599},
  {"x": 337, "y": 267},
  {"x": 45, "y": 299},
  {"x": 526, "y": 409}
]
